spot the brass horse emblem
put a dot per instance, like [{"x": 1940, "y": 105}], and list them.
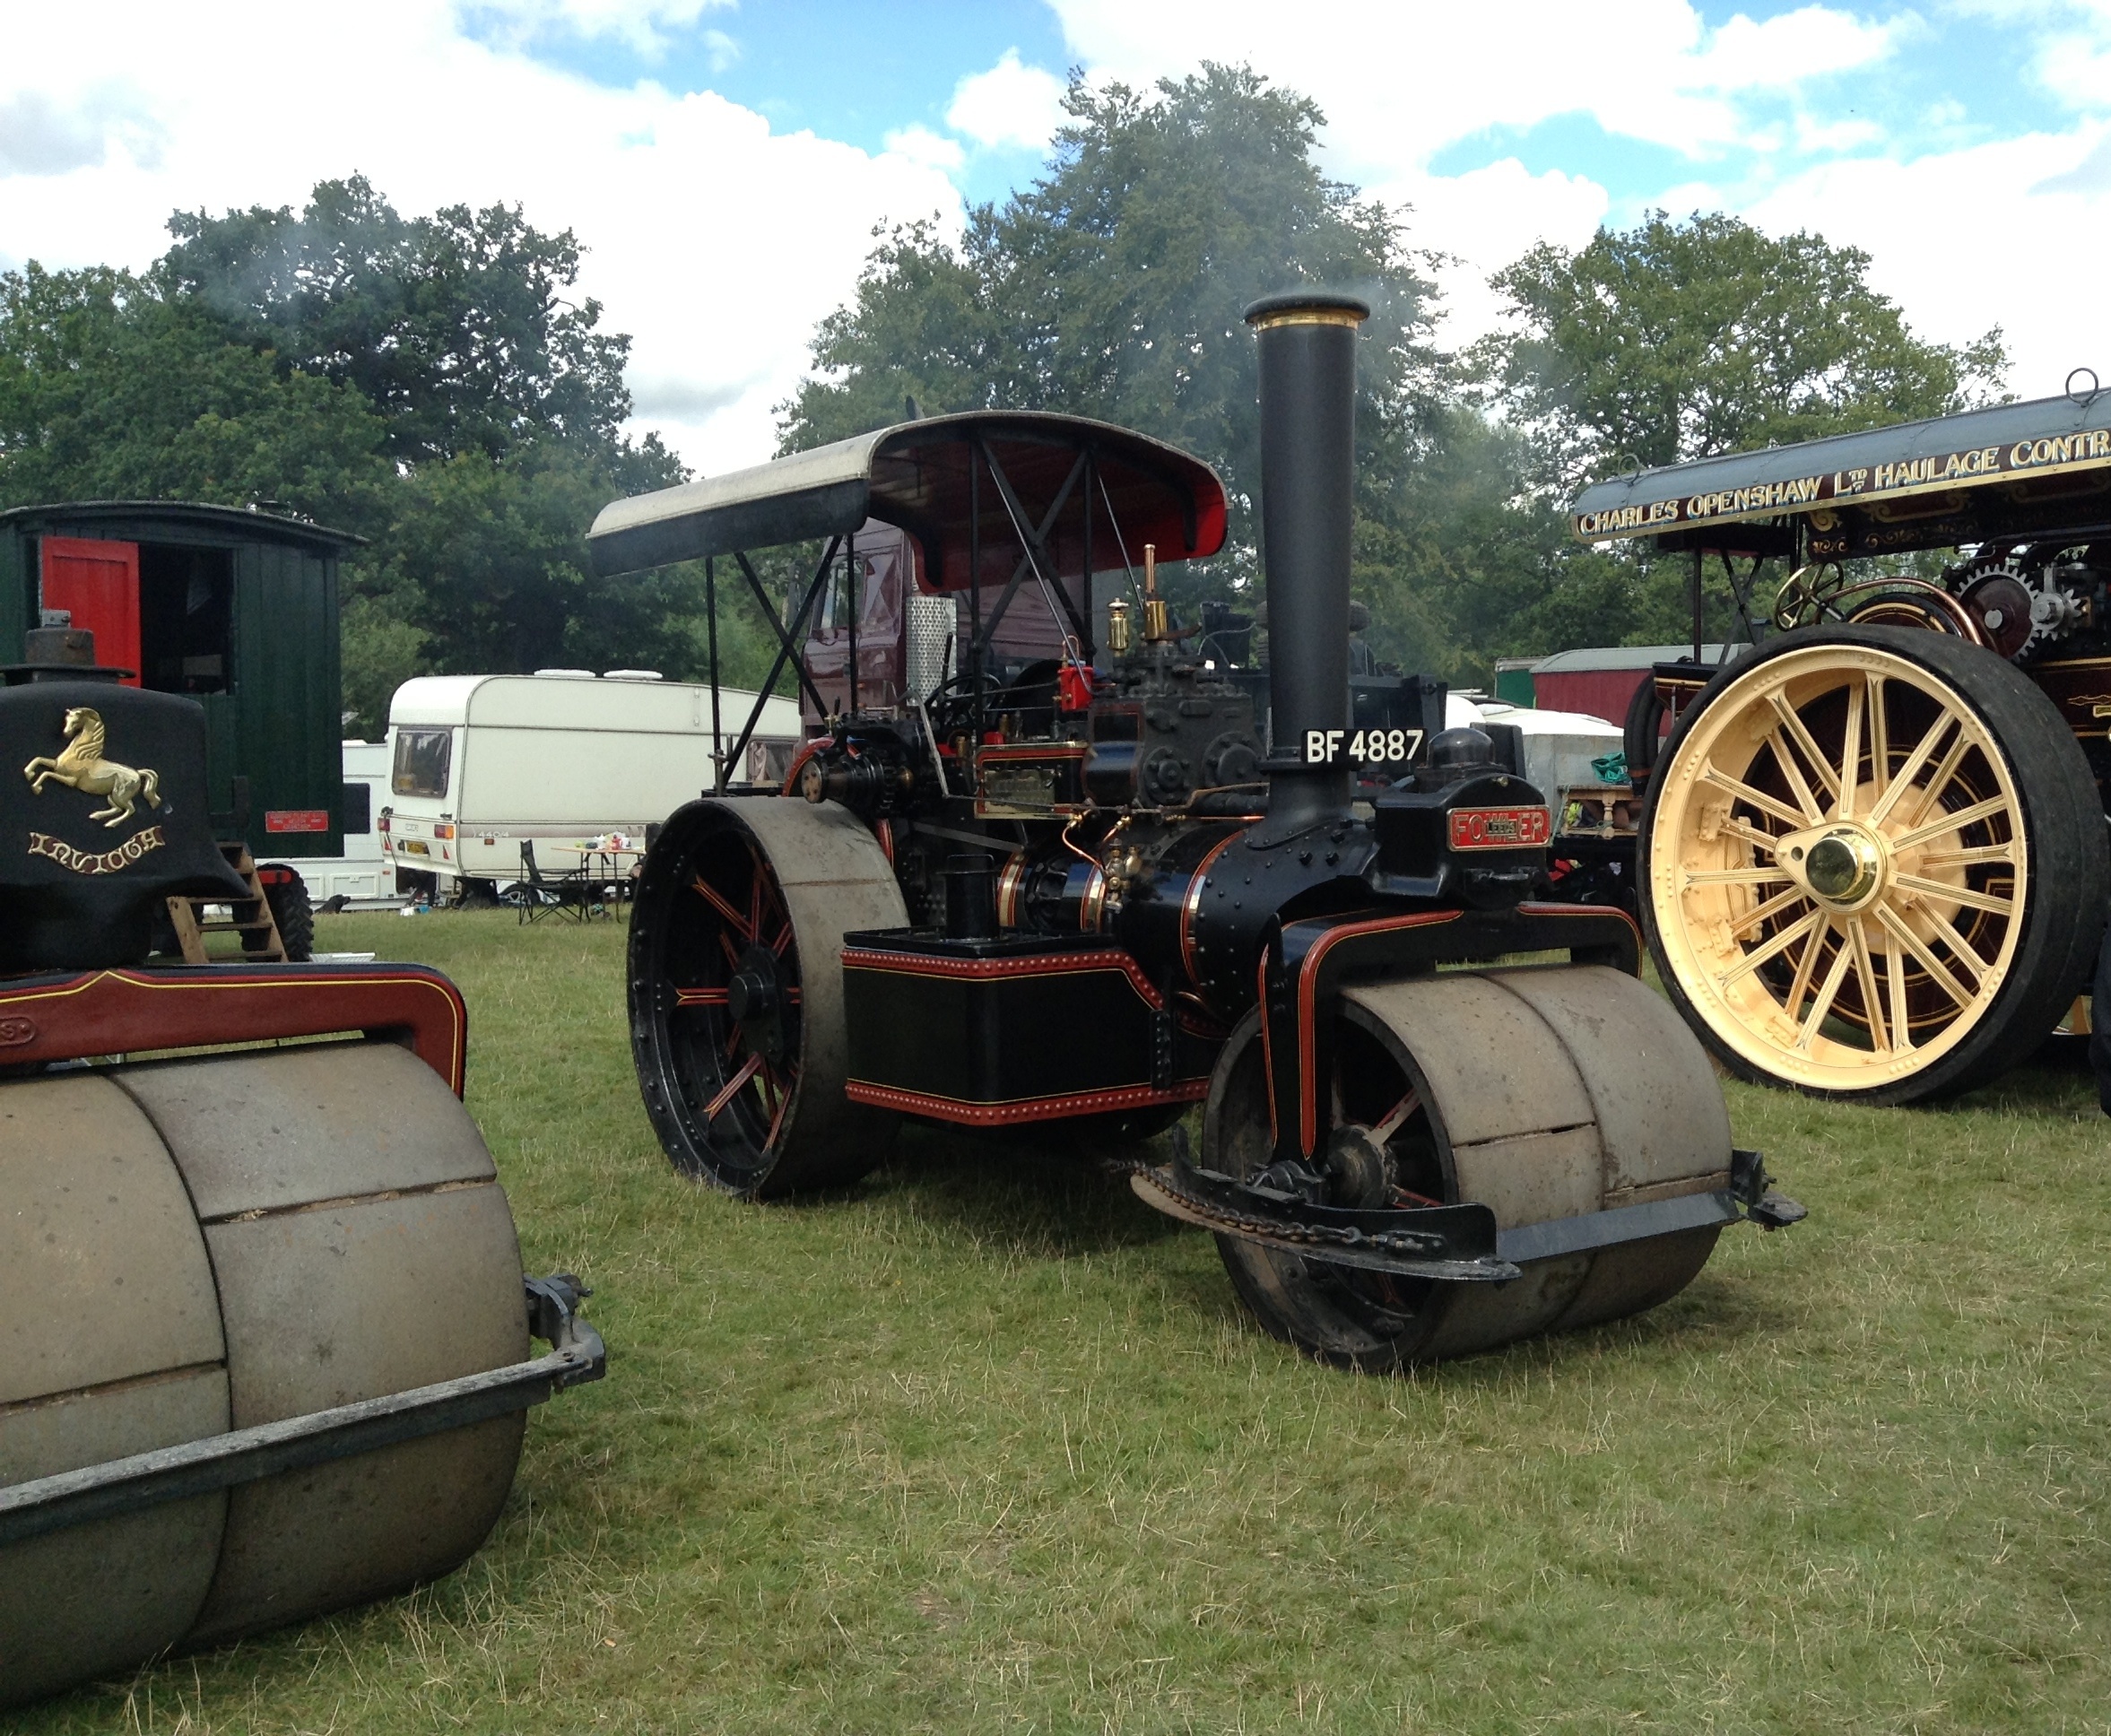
[{"x": 82, "y": 766}]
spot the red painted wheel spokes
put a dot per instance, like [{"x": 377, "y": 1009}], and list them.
[{"x": 744, "y": 909}]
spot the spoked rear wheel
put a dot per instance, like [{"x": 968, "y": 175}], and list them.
[
  {"x": 1875, "y": 865},
  {"x": 736, "y": 992}
]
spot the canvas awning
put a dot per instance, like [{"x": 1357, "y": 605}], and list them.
[
  {"x": 2011, "y": 469},
  {"x": 916, "y": 475}
]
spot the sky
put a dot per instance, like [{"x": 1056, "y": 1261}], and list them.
[{"x": 728, "y": 162}]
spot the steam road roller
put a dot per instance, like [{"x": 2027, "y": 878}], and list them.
[
  {"x": 1872, "y": 858},
  {"x": 269, "y": 1330},
  {"x": 1016, "y": 882}
]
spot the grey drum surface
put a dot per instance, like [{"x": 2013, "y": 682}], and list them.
[
  {"x": 1550, "y": 1093},
  {"x": 205, "y": 1244}
]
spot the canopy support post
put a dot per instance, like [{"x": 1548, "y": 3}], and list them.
[
  {"x": 975, "y": 605},
  {"x": 850, "y": 578},
  {"x": 784, "y": 639},
  {"x": 1091, "y": 648},
  {"x": 784, "y": 650},
  {"x": 1698, "y": 631},
  {"x": 1034, "y": 544},
  {"x": 711, "y": 632}
]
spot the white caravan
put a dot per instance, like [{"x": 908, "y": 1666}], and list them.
[
  {"x": 359, "y": 875},
  {"x": 561, "y": 758}
]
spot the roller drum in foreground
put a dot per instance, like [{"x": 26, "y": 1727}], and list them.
[
  {"x": 1546, "y": 1095},
  {"x": 197, "y": 1248}
]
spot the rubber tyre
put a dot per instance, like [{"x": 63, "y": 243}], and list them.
[
  {"x": 1641, "y": 731},
  {"x": 2069, "y": 882},
  {"x": 812, "y": 868},
  {"x": 294, "y": 912}
]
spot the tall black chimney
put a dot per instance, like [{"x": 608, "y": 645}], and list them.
[{"x": 1307, "y": 352}]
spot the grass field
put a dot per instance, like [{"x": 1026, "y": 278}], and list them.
[{"x": 987, "y": 1446}]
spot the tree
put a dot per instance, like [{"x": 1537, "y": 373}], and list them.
[
  {"x": 108, "y": 391},
  {"x": 1673, "y": 341},
  {"x": 1113, "y": 287},
  {"x": 422, "y": 382},
  {"x": 455, "y": 328},
  {"x": 490, "y": 552}
]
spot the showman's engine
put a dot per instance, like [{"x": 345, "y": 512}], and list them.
[
  {"x": 269, "y": 1328},
  {"x": 1096, "y": 896}
]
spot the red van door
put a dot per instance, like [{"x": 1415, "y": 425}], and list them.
[{"x": 98, "y": 582}]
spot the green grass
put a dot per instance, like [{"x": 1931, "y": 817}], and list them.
[{"x": 988, "y": 1444}]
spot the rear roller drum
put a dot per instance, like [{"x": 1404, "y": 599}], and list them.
[
  {"x": 1542, "y": 1094},
  {"x": 1873, "y": 864},
  {"x": 737, "y": 998}
]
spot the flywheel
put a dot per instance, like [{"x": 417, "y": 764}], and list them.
[
  {"x": 1875, "y": 864},
  {"x": 1544, "y": 1093},
  {"x": 737, "y": 995}
]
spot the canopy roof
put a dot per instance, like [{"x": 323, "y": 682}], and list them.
[
  {"x": 2009, "y": 470},
  {"x": 915, "y": 475}
]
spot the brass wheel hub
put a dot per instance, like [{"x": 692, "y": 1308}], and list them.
[{"x": 1843, "y": 867}]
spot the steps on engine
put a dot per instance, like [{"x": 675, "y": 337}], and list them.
[{"x": 248, "y": 917}]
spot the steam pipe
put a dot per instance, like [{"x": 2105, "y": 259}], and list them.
[{"x": 1307, "y": 341}]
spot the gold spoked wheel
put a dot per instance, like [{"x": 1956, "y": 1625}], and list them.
[{"x": 1864, "y": 850}]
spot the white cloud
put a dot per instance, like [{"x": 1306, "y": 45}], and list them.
[
  {"x": 640, "y": 24},
  {"x": 1011, "y": 104},
  {"x": 43, "y": 135},
  {"x": 1482, "y": 220},
  {"x": 1917, "y": 220},
  {"x": 920, "y": 144},
  {"x": 717, "y": 243},
  {"x": 1401, "y": 83},
  {"x": 1792, "y": 48},
  {"x": 1814, "y": 137}
]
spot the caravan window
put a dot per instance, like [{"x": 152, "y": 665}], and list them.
[{"x": 421, "y": 757}]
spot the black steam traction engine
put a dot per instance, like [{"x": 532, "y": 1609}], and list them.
[
  {"x": 1091, "y": 896},
  {"x": 269, "y": 1343}
]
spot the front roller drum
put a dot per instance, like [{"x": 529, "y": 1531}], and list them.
[
  {"x": 201, "y": 1247},
  {"x": 737, "y": 991},
  {"x": 1544, "y": 1094}
]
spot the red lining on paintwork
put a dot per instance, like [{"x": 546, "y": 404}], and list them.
[
  {"x": 122, "y": 1012},
  {"x": 910, "y": 964},
  {"x": 1309, "y": 988},
  {"x": 1190, "y": 901},
  {"x": 1634, "y": 927},
  {"x": 1036, "y": 1109},
  {"x": 1307, "y": 1005}
]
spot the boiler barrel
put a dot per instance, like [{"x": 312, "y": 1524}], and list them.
[{"x": 200, "y": 1246}]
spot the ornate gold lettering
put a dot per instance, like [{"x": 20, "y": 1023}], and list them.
[{"x": 110, "y": 861}]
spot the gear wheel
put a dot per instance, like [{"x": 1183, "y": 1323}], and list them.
[{"x": 1998, "y": 593}]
